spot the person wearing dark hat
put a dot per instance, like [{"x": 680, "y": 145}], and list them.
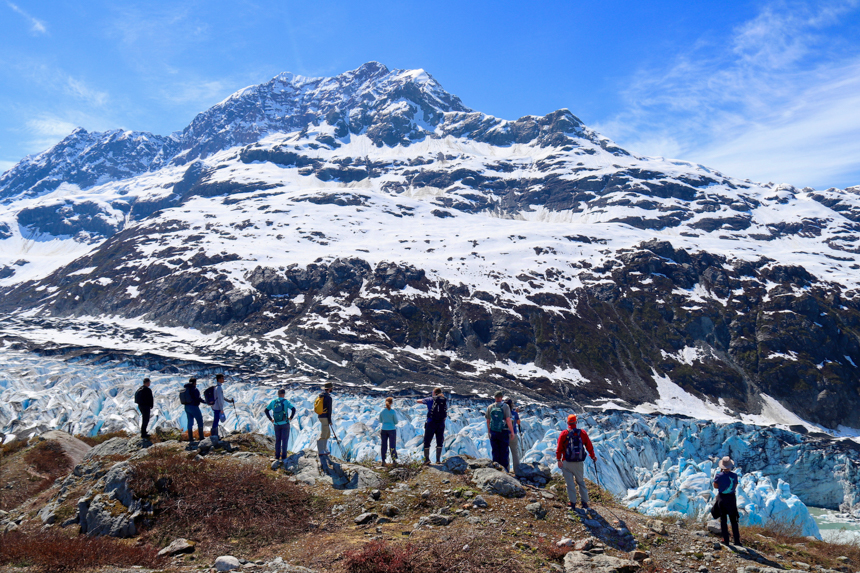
[
  {"x": 192, "y": 409},
  {"x": 323, "y": 409},
  {"x": 570, "y": 453},
  {"x": 726, "y": 504},
  {"x": 144, "y": 401},
  {"x": 434, "y": 427},
  {"x": 501, "y": 430}
]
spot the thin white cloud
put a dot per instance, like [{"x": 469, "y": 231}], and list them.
[
  {"x": 81, "y": 90},
  {"x": 777, "y": 101},
  {"x": 6, "y": 166},
  {"x": 45, "y": 131},
  {"x": 36, "y": 26}
]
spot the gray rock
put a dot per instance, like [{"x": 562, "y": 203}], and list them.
[
  {"x": 583, "y": 562},
  {"x": 534, "y": 472},
  {"x": 479, "y": 502},
  {"x": 116, "y": 483},
  {"x": 106, "y": 516},
  {"x": 72, "y": 447},
  {"x": 425, "y": 494},
  {"x": 48, "y": 513},
  {"x": 537, "y": 510},
  {"x": 177, "y": 547},
  {"x": 455, "y": 465},
  {"x": 439, "y": 519},
  {"x": 307, "y": 468},
  {"x": 365, "y": 518},
  {"x": 226, "y": 563},
  {"x": 376, "y": 494},
  {"x": 389, "y": 510},
  {"x": 498, "y": 483},
  {"x": 713, "y": 526},
  {"x": 480, "y": 463},
  {"x": 111, "y": 447}
]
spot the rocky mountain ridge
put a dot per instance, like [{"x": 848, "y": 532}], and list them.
[{"x": 370, "y": 227}]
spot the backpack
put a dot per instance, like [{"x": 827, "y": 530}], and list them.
[
  {"x": 279, "y": 412},
  {"x": 319, "y": 404},
  {"x": 137, "y": 395},
  {"x": 185, "y": 396},
  {"x": 209, "y": 395},
  {"x": 439, "y": 409},
  {"x": 574, "y": 451},
  {"x": 497, "y": 418}
]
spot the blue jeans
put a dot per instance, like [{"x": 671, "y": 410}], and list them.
[
  {"x": 282, "y": 438},
  {"x": 215, "y": 422},
  {"x": 194, "y": 413},
  {"x": 499, "y": 444},
  {"x": 389, "y": 440}
]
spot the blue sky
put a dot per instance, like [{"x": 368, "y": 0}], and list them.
[{"x": 763, "y": 90}]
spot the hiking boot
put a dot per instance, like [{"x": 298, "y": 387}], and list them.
[
  {"x": 571, "y": 506},
  {"x": 275, "y": 464},
  {"x": 584, "y": 506}
]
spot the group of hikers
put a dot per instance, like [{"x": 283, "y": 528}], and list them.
[{"x": 503, "y": 428}]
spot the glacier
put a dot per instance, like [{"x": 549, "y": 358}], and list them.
[{"x": 646, "y": 460}]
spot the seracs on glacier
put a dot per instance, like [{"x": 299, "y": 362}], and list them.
[{"x": 645, "y": 459}]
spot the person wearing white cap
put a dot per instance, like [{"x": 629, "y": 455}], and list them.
[{"x": 726, "y": 504}]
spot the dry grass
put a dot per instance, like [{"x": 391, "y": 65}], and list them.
[
  {"x": 13, "y": 447},
  {"x": 54, "y": 553},
  {"x": 93, "y": 441},
  {"x": 786, "y": 538},
  {"x": 49, "y": 459},
  {"x": 219, "y": 502}
]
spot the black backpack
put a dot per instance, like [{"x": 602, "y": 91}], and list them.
[
  {"x": 439, "y": 410},
  {"x": 574, "y": 450},
  {"x": 137, "y": 395},
  {"x": 209, "y": 395},
  {"x": 185, "y": 397}
]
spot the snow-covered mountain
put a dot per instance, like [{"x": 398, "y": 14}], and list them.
[{"x": 371, "y": 228}]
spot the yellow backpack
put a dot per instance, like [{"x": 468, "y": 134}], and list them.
[{"x": 319, "y": 405}]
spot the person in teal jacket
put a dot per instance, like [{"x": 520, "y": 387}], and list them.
[
  {"x": 388, "y": 417},
  {"x": 276, "y": 412}
]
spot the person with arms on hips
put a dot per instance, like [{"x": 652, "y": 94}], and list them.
[
  {"x": 190, "y": 398},
  {"x": 501, "y": 430},
  {"x": 388, "y": 433},
  {"x": 276, "y": 412},
  {"x": 726, "y": 504},
  {"x": 434, "y": 427},
  {"x": 570, "y": 453},
  {"x": 219, "y": 405},
  {"x": 143, "y": 399}
]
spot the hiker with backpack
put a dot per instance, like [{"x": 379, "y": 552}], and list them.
[
  {"x": 214, "y": 396},
  {"x": 514, "y": 444},
  {"x": 570, "y": 453},
  {"x": 726, "y": 504},
  {"x": 190, "y": 398},
  {"x": 278, "y": 417},
  {"x": 388, "y": 417},
  {"x": 143, "y": 399},
  {"x": 434, "y": 427},
  {"x": 501, "y": 430},
  {"x": 323, "y": 410}
]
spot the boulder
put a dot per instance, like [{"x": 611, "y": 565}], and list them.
[
  {"x": 435, "y": 519},
  {"x": 73, "y": 447},
  {"x": 659, "y": 527},
  {"x": 106, "y": 516},
  {"x": 389, "y": 510},
  {"x": 48, "y": 514},
  {"x": 583, "y": 562},
  {"x": 111, "y": 447},
  {"x": 177, "y": 547},
  {"x": 227, "y": 563},
  {"x": 537, "y": 510},
  {"x": 480, "y": 463},
  {"x": 479, "y": 502},
  {"x": 584, "y": 544},
  {"x": 534, "y": 472},
  {"x": 498, "y": 483},
  {"x": 116, "y": 483},
  {"x": 564, "y": 542},
  {"x": 365, "y": 518},
  {"x": 455, "y": 465},
  {"x": 713, "y": 526}
]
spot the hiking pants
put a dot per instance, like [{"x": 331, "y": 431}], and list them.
[
  {"x": 514, "y": 446},
  {"x": 728, "y": 505},
  {"x": 215, "y": 422},
  {"x": 389, "y": 440},
  {"x": 499, "y": 443},
  {"x": 571, "y": 471},
  {"x": 434, "y": 429},
  {"x": 282, "y": 438},
  {"x": 325, "y": 434},
  {"x": 193, "y": 413},
  {"x": 144, "y": 421}
]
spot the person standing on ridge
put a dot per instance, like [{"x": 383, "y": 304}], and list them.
[
  {"x": 726, "y": 504},
  {"x": 388, "y": 417},
  {"x": 323, "y": 409},
  {"x": 219, "y": 404},
  {"x": 570, "y": 453},
  {"x": 514, "y": 445},
  {"x": 278, "y": 417},
  {"x": 437, "y": 412},
  {"x": 500, "y": 429},
  {"x": 143, "y": 399},
  {"x": 190, "y": 398}
]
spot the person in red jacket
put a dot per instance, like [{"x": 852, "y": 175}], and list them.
[{"x": 570, "y": 453}]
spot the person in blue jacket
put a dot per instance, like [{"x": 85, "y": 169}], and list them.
[
  {"x": 388, "y": 417},
  {"x": 276, "y": 412},
  {"x": 192, "y": 409},
  {"x": 726, "y": 504}
]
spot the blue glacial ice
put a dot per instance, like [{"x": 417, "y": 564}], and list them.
[{"x": 39, "y": 393}]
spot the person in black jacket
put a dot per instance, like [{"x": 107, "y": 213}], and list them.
[
  {"x": 192, "y": 409},
  {"x": 726, "y": 504},
  {"x": 143, "y": 398}
]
